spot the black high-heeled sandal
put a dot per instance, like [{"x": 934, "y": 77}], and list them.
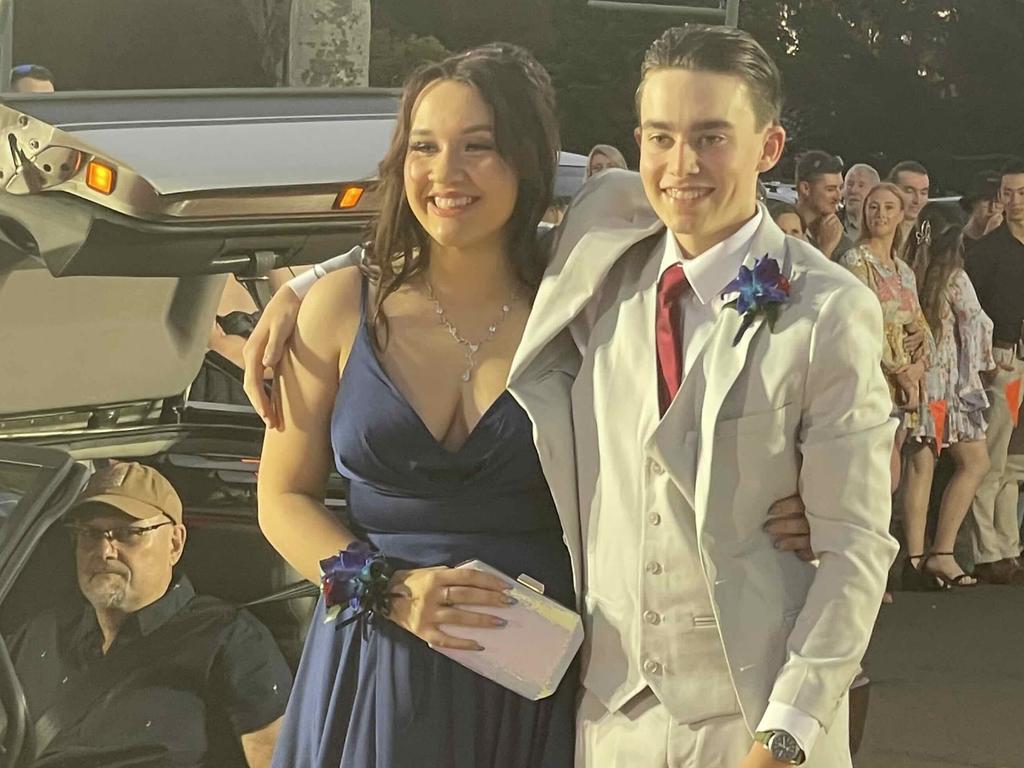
[
  {"x": 947, "y": 582},
  {"x": 916, "y": 580}
]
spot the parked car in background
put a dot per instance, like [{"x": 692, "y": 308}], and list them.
[
  {"x": 572, "y": 172},
  {"x": 779, "y": 191}
]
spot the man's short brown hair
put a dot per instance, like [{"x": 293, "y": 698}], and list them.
[
  {"x": 814, "y": 164},
  {"x": 724, "y": 50},
  {"x": 906, "y": 166}
]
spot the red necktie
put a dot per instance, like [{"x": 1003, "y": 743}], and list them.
[{"x": 667, "y": 337}]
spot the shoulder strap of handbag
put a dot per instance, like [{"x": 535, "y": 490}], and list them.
[{"x": 165, "y": 643}]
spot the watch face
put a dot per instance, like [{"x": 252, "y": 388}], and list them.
[{"x": 784, "y": 748}]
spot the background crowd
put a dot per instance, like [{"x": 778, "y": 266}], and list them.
[{"x": 945, "y": 275}]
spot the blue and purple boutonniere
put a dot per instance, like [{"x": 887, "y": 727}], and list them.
[{"x": 762, "y": 292}]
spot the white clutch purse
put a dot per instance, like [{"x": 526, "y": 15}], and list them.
[{"x": 530, "y": 655}]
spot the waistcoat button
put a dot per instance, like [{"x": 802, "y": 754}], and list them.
[
  {"x": 652, "y": 618},
  {"x": 654, "y": 518},
  {"x": 654, "y": 568}
]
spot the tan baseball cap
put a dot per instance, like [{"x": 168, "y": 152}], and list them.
[{"x": 134, "y": 489}]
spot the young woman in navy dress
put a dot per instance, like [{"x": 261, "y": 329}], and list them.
[{"x": 396, "y": 374}]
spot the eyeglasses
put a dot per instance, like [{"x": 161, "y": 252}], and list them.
[{"x": 126, "y": 535}]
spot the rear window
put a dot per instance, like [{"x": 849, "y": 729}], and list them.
[{"x": 16, "y": 480}]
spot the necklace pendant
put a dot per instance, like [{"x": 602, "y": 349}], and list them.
[
  {"x": 474, "y": 347},
  {"x": 466, "y": 374}
]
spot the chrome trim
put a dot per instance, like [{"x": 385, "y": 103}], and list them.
[
  {"x": 114, "y": 418},
  {"x": 34, "y": 145}
]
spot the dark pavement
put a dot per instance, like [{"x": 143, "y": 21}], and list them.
[{"x": 947, "y": 672}]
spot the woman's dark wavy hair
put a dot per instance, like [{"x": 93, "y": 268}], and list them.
[
  {"x": 519, "y": 93},
  {"x": 935, "y": 251}
]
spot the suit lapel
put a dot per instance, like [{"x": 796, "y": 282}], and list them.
[
  {"x": 569, "y": 284},
  {"x": 724, "y": 361}
]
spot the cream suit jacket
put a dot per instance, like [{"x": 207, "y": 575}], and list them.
[{"x": 802, "y": 408}]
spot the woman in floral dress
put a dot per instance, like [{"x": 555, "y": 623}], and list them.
[
  {"x": 963, "y": 335},
  {"x": 907, "y": 358}
]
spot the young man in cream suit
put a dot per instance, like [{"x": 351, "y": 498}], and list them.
[
  {"x": 699, "y": 632},
  {"x": 672, "y": 429}
]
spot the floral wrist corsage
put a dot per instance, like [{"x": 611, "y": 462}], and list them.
[{"x": 357, "y": 578}]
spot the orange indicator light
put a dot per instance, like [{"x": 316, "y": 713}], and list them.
[
  {"x": 100, "y": 177},
  {"x": 349, "y": 198}
]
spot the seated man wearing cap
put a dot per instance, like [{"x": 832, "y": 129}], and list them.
[{"x": 149, "y": 673}]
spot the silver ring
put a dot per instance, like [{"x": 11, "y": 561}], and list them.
[{"x": 444, "y": 597}]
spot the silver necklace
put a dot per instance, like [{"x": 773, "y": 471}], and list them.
[{"x": 470, "y": 347}]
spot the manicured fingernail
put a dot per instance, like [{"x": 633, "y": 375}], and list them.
[
  {"x": 479, "y": 648},
  {"x": 509, "y": 600},
  {"x": 499, "y": 622}
]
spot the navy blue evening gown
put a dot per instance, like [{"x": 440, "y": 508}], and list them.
[{"x": 382, "y": 698}]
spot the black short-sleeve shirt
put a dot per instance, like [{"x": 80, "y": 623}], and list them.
[{"x": 187, "y": 708}]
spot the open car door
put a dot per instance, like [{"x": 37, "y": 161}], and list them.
[
  {"x": 120, "y": 214},
  {"x": 37, "y": 485}
]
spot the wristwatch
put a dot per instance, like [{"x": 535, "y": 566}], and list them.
[{"x": 783, "y": 747}]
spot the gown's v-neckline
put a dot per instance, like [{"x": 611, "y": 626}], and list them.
[{"x": 382, "y": 372}]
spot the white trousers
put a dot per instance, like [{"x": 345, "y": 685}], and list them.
[{"x": 643, "y": 735}]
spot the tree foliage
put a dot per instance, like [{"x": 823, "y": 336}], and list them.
[
  {"x": 941, "y": 81},
  {"x": 394, "y": 55},
  {"x": 269, "y": 21}
]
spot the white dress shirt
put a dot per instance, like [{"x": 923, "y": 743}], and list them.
[{"x": 708, "y": 274}]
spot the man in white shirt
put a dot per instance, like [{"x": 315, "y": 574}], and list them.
[
  {"x": 856, "y": 184},
  {"x": 710, "y": 365}
]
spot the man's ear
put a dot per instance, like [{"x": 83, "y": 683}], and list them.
[
  {"x": 178, "y": 536},
  {"x": 637, "y": 133},
  {"x": 771, "y": 148}
]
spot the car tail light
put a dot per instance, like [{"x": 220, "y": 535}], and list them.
[
  {"x": 349, "y": 198},
  {"x": 100, "y": 176}
]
